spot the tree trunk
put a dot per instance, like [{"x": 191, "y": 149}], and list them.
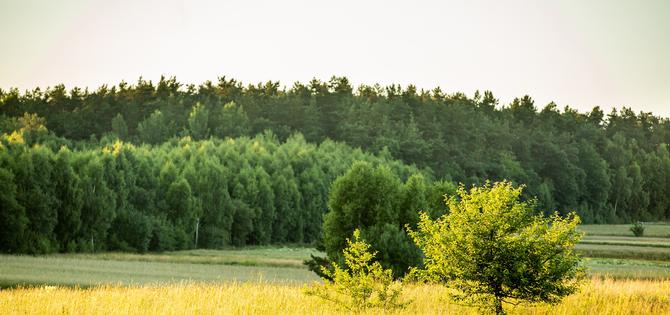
[
  {"x": 197, "y": 226},
  {"x": 499, "y": 307}
]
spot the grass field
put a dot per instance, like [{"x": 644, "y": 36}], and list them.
[
  {"x": 628, "y": 268},
  {"x": 251, "y": 256},
  {"x": 72, "y": 271},
  {"x": 624, "y": 251},
  {"x": 617, "y": 241},
  {"x": 660, "y": 242},
  {"x": 651, "y": 229},
  {"x": 596, "y": 297},
  {"x": 249, "y": 265},
  {"x": 269, "y": 281}
]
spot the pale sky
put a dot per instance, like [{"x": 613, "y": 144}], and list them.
[{"x": 580, "y": 53}]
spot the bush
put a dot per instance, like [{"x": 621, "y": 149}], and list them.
[
  {"x": 362, "y": 284},
  {"x": 492, "y": 249},
  {"x": 637, "y": 229},
  {"x": 370, "y": 198}
]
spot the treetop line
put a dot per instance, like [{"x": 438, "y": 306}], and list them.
[{"x": 158, "y": 156}]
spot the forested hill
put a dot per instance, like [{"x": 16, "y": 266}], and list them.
[{"x": 611, "y": 167}]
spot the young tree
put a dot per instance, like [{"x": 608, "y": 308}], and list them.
[
  {"x": 70, "y": 200},
  {"x": 197, "y": 122},
  {"x": 231, "y": 121},
  {"x": 360, "y": 284},
  {"x": 154, "y": 129},
  {"x": 99, "y": 206},
  {"x": 493, "y": 248}
]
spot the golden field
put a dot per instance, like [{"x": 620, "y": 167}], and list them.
[{"x": 596, "y": 297}]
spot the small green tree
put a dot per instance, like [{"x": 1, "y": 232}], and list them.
[
  {"x": 637, "y": 229},
  {"x": 154, "y": 129},
  {"x": 362, "y": 283},
  {"x": 198, "y": 122},
  {"x": 492, "y": 248}
]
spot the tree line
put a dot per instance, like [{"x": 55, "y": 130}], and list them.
[
  {"x": 62, "y": 196},
  {"x": 608, "y": 167}
]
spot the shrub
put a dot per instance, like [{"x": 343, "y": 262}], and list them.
[
  {"x": 361, "y": 284},
  {"x": 637, "y": 229}
]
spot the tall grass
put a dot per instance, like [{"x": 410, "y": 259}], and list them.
[{"x": 597, "y": 297}]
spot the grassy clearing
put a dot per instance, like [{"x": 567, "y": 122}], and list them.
[
  {"x": 71, "y": 270},
  {"x": 28, "y": 270},
  {"x": 651, "y": 229},
  {"x": 597, "y": 297}
]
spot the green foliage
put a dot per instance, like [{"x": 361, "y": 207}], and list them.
[
  {"x": 611, "y": 168},
  {"x": 130, "y": 231},
  {"x": 637, "y": 229},
  {"x": 198, "y": 122},
  {"x": 119, "y": 127},
  {"x": 231, "y": 121},
  {"x": 13, "y": 218},
  {"x": 154, "y": 129},
  {"x": 70, "y": 198},
  {"x": 360, "y": 283},
  {"x": 117, "y": 196},
  {"x": 370, "y": 199},
  {"x": 318, "y": 264},
  {"x": 492, "y": 248}
]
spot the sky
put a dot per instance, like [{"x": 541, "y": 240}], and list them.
[{"x": 607, "y": 53}]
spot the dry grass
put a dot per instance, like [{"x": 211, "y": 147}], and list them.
[{"x": 597, "y": 297}]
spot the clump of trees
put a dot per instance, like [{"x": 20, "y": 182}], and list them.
[
  {"x": 374, "y": 200},
  {"x": 490, "y": 248},
  {"x": 609, "y": 167},
  {"x": 112, "y": 195}
]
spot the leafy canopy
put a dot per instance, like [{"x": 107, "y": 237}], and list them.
[
  {"x": 369, "y": 198},
  {"x": 492, "y": 248}
]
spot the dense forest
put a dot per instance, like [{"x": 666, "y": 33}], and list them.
[
  {"x": 159, "y": 166},
  {"x": 178, "y": 195}
]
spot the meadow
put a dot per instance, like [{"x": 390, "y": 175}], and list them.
[
  {"x": 271, "y": 265},
  {"x": 628, "y": 275},
  {"x": 651, "y": 229},
  {"x": 617, "y": 241},
  {"x": 259, "y": 264},
  {"x": 596, "y": 297}
]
